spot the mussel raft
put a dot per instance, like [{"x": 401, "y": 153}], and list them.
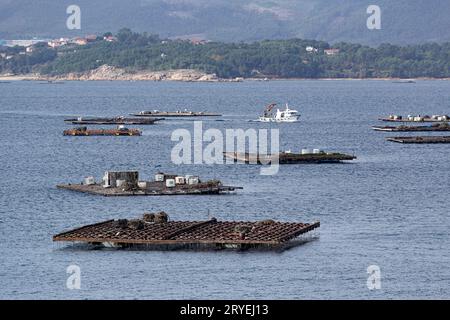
[
  {"x": 113, "y": 121},
  {"x": 420, "y": 139},
  {"x": 127, "y": 183},
  {"x": 317, "y": 156},
  {"x": 434, "y": 127},
  {"x": 84, "y": 131},
  {"x": 175, "y": 114},
  {"x": 158, "y": 232}
]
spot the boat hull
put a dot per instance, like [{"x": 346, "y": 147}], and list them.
[{"x": 278, "y": 120}]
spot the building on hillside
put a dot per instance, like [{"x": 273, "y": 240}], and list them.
[
  {"x": 331, "y": 52},
  {"x": 91, "y": 38},
  {"x": 58, "y": 43},
  {"x": 80, "y": 41},
  {"x": 110, "y": 39},
  {"x": 311, "y": 49}
]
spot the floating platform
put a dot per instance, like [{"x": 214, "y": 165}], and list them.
[
  {"x": 84, "y": 131},
  {"x": 175, "y": 114},
  {"x": 152, "y": 189},
  {"x": 113, "y": 121},
  {"x": 420, "y": 140},
  {"x": 435, "y": 127},
  {"x": 404, "y": 81},
  {"x": 289, "y": 158},
  {"x": 127, "y": 183},
  {"x": 419, "y": 118},
  {"x": 152, "y": 232}
]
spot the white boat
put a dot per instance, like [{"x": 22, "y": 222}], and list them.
[{"x": 287, "y": 115}]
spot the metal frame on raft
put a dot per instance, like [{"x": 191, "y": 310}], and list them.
[{"x": 210, "y": 234}]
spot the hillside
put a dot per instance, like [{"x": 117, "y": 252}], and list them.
[
  {"x": 139, "y": 53},
  {"x": 403, "y": 21}
]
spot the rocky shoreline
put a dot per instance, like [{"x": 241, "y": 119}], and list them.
[{"x": 109, "y": 73}]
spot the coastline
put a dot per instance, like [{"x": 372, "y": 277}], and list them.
[
  {"x": 181, "y": 76},
  {"x": 349, "y": 79},
  {"x": 17, "y": 77}
]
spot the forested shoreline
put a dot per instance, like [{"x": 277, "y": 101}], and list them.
[{"x": 294, "y": 58}]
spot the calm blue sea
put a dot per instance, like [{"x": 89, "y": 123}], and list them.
[{"x": 389, "y": 208}]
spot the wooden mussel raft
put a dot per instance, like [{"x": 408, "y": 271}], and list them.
[
  {"x": 175, "y": 114},
  {"x": 420, "y": 139},
  {"x": 127, "y": 183},
  {"x": 287, "y": 157},
  {"x": 112, "y": 121},
  {"x": 418, "y": 118},
  {"x": 157, "y": 231},
  {"x": 84, "y": 131},
  {"x": 434, "y": 127}
]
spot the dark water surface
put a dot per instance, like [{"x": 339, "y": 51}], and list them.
[{"x": 389, "y": 208}]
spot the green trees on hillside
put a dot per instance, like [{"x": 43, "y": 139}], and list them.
[
  {"x": 293, "y": 58},
  {"x": 17, "y": 60}
]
